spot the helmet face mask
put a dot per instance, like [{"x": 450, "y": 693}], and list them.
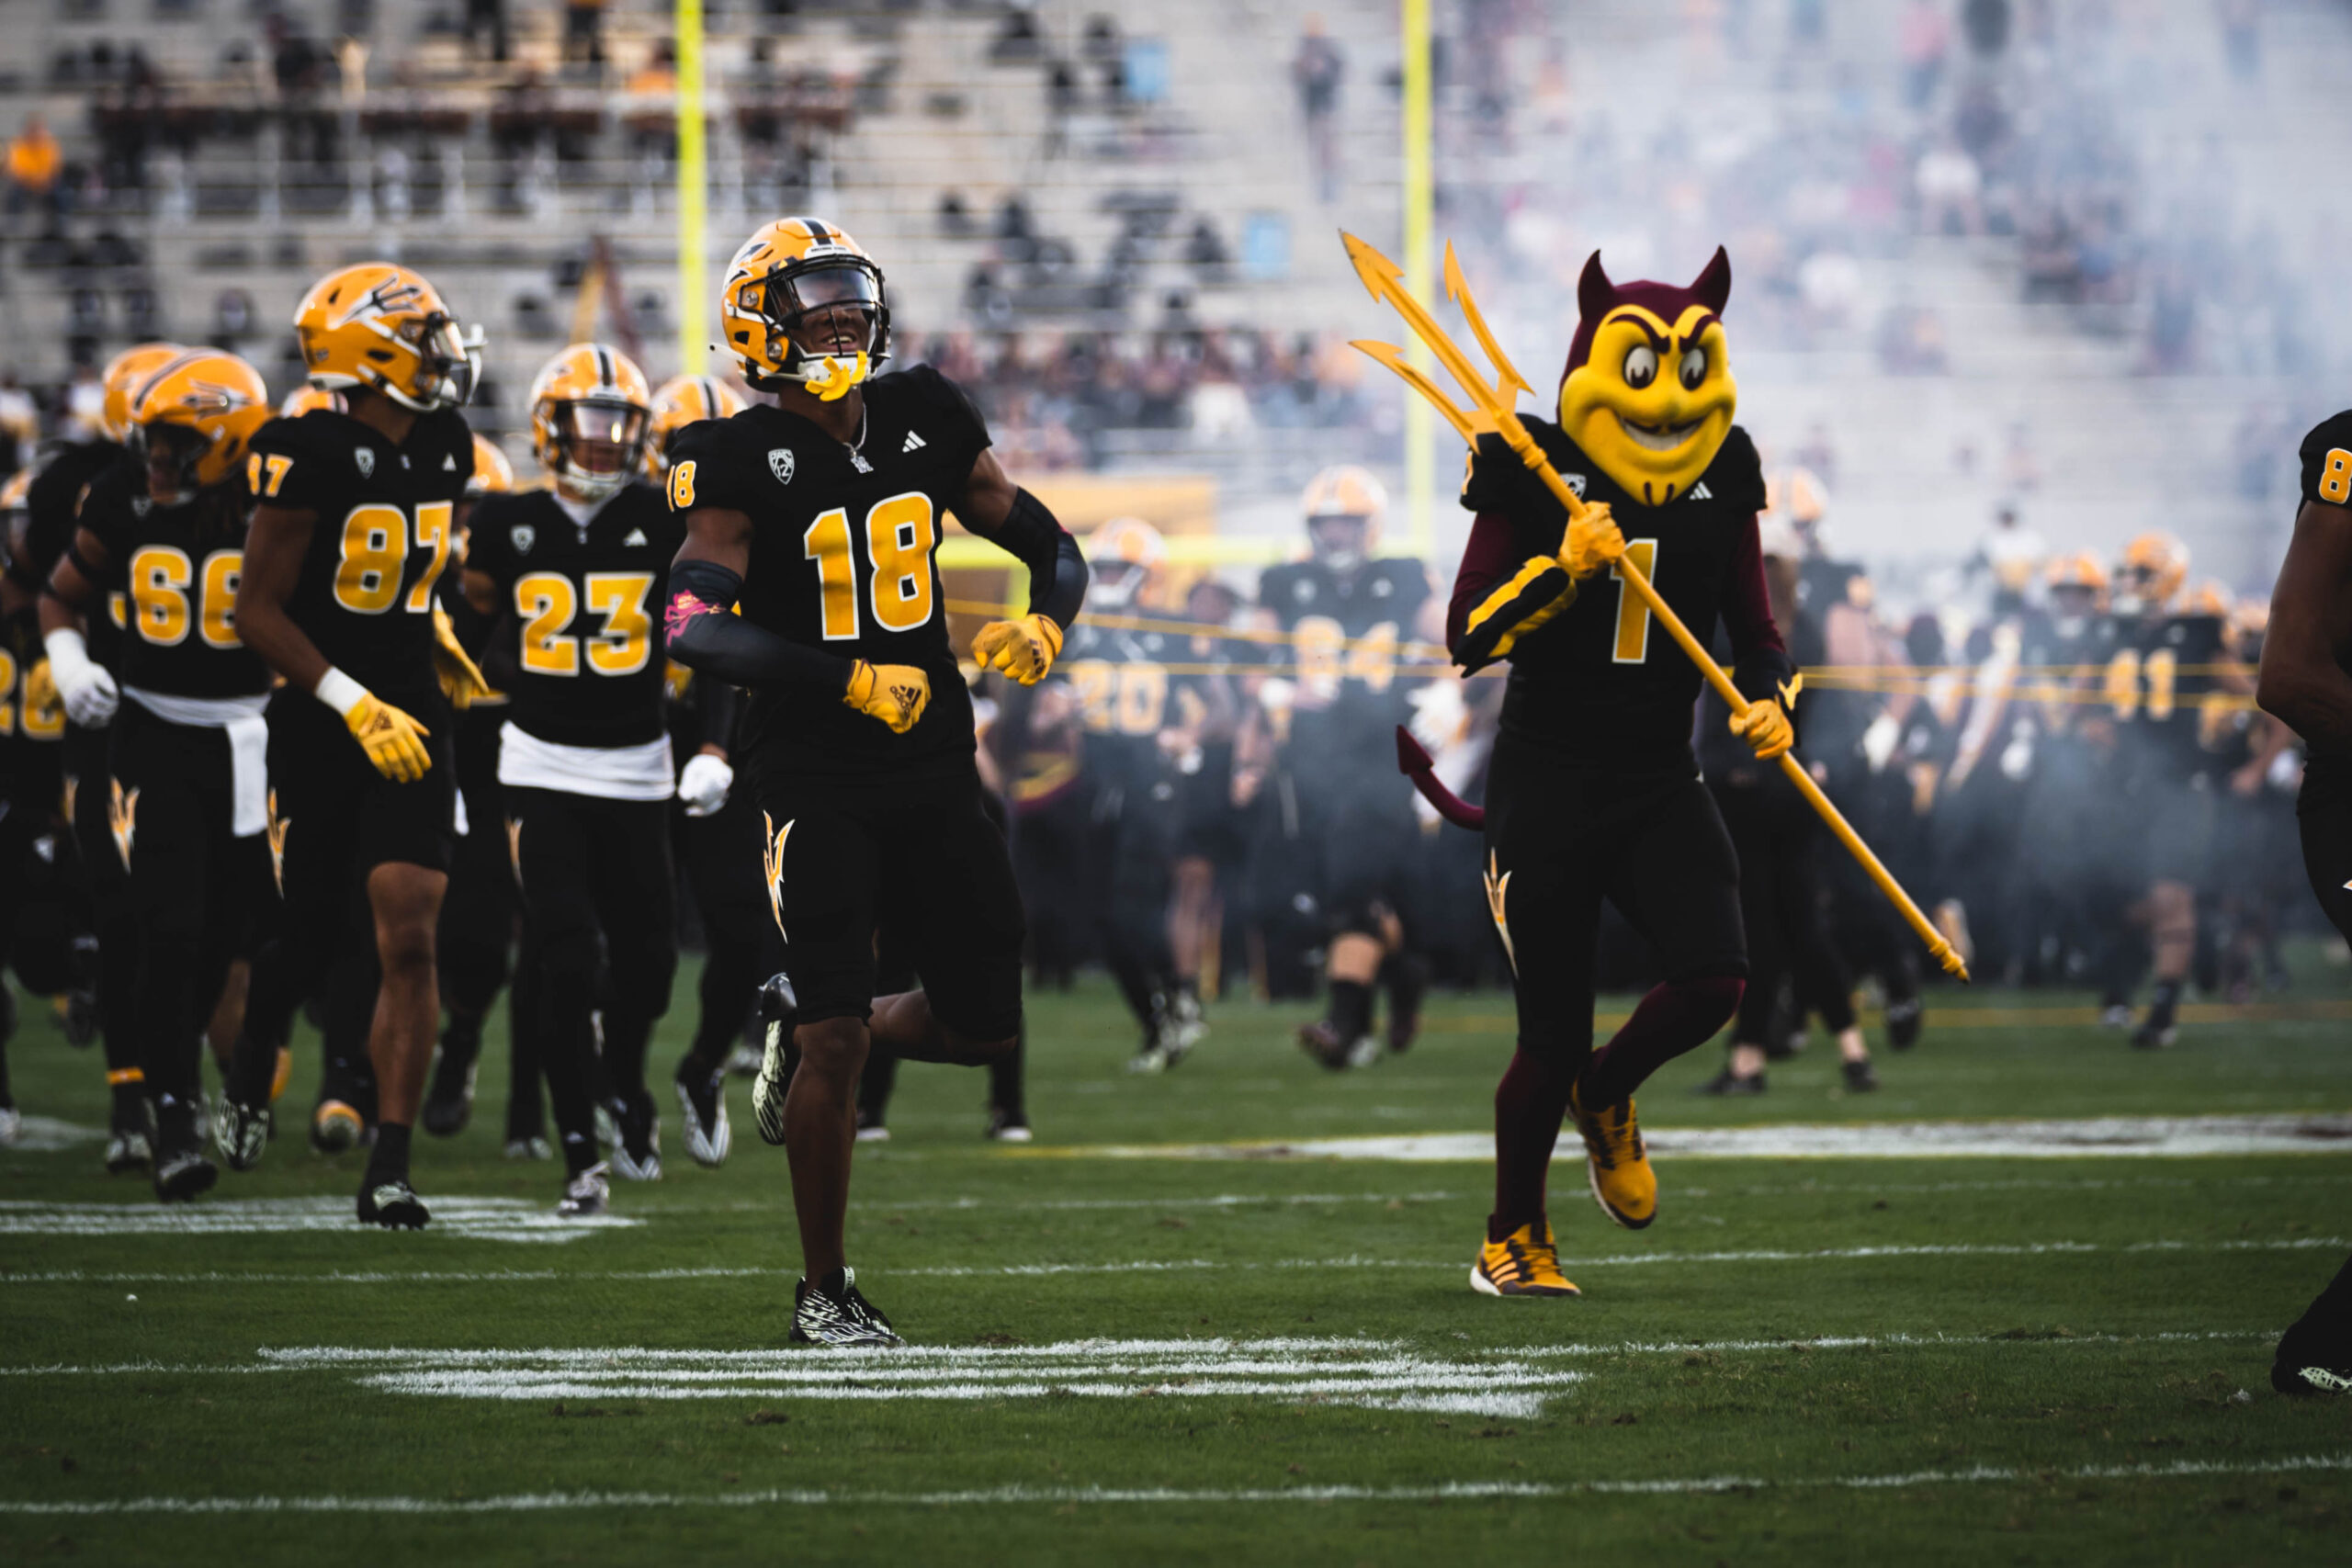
[
  {"x": 780, "y": 308},
  {"x": 1341, "y": 540},
  {"x": 381, "y": 327},
  {"x": 449, "y": 363},
  {"x": 591, "y": 415},
  {"x": 597, "y": 444},
  {"x": 171, "y": 453}
]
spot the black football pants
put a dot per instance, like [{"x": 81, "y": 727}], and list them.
[{"x": 1780, "y": 842}]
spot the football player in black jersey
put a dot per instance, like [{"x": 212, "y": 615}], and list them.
[
  {"x": 575, "y": 576},
  {"x": 187, "y": 788},
  {"x": 32, "y": 721},
  {"x": 2306, "y": 684},
  {"x": 1349, "y": 616},
  {"x": 52, "y": 506},
  {"x": 1115, "y": 665},
  {"x": 817, "y": 519},
  {"x": 1593, "y": 793},
  {"x": 355, "y": 518}
]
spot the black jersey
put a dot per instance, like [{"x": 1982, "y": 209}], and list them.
[
  {"x": 2327, "y": 461},
  {"x": 841, "y": 560},
  {"x": 2162, "y": 685},
  {"x": 1599, "y": 680},
  {"x": 1121, "y": 679},
  {"x": 179, "y": 565},
  {"x": 52, "y": 511},
  {"x": 386, "y": 519},
  {"x": 1349, "y": 632},
  {"x": 578, "y": 604}
]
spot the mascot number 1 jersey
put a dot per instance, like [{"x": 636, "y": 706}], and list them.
[
  {"x": 843, "y": 536},
  {"x": 387, "y": 519}
]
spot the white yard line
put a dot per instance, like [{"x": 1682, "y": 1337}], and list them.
[
  {"x": 1161, "y": 1266},
  {"x": 1462, "y": 1490},
  {"x": 2055, "y": 1138},
  {"x": 468, "y": 1219}
]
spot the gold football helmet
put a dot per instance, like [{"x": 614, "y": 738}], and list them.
[
  {"x": 790, "y": 269},
  {"x": 2212, "y": 597},
  {"x": 1125, "y": 552},
  {"x": 2081, "y": 569},
  {"x": 302, "y": 400},
  {"x": 380, "y": 325},
  {"x": 678, "y": 402},
  {"x": 590, "y": 407},
  {"x": 123, "y": 373},
  {"x": 494, "y": 475},
  {"x": 191, "y": 419},
  {"x": 2155, "y": 567},
  {"x": 15, "y": 490},
  {"x": 1342, "y": 506}
]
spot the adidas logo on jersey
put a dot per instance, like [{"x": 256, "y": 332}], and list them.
[
  {"x": 914, "y": 443},
  {"x": 636, "y": 536},
  {"x": 1700, "y": 492},
  {"x": 448, "y": 462}
]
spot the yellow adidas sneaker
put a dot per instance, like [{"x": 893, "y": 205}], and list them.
[
  {"x": 1623, "y": 1183},
  {"x": 1523, "y": 1263}
]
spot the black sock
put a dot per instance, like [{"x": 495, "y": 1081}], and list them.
[
  {"x": 174, "y": 1123},
  {"x": 833, "y": 1282},
  {"x": 1350, "y": 1011},
  {"x": 2160, "y": 1009},
  {"x": 390, "y": 1161},
  {"x": 253, "y": 1068},
  {"x": 1005, "y": 1081},
  {"x": 579, "y": 1153}
]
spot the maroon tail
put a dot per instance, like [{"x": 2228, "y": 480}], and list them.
[{"x": 1414, "y": 762}]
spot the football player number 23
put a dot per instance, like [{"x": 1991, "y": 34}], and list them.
[
  {"x": 547, "y": 602},
  {"x": 899, "y": 534},
  {"x": 376, "y": 544}
]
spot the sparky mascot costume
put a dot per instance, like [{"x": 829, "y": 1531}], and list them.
[{"x": 1593, "y": 793}]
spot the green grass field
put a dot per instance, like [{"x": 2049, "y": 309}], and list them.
[{"x": 1248, "y": 1358}]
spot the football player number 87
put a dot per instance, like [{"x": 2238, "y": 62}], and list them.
[
  {"x": 2336, "y": 478},
  {"x": 375, "y": 556},
  {"x": 899, "y": 534}
]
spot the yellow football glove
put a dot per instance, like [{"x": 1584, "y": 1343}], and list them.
[
  {"x": 1765, "y": 726},
  {"x": 461, "y": 678},
  {"x": 1023, "y": 649},
  {"x": 41, "y": 689},
  {"x": 895, "y": 694},
  {"x": 1591, "y": 542},
  {"x": 394, "y": 741}
]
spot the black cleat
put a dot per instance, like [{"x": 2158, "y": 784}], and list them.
[
  {"x": 1728, "y": 1083},
  {"x": 1008, "y": 1126},
  {"x": 239, "y": 1133},
  {"x": 637, "y": 1151},
  {"x": 183, "y": 1173},
  {"x": 2312, "y": 1361},
  {"x": 1323, "y": 1043},
  {"x": 128, "y": 1149},
  {"x": 392, "y": 1204},
  {"x": 779, "y": 1010},
  {"x": 840, "y": 1318},
  {"x": 2153, "y": 1036},
  {"x": 450, "y": 1098},
  {"x": 1859, "y": 1078},
  {"x": 1904, "y": 1020},
  {"x": 702, "y": 1098}
]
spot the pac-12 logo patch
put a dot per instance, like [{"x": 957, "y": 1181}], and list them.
[
  {"x": 365, "y": 459},
  {"x": 523, "y": 535},
  {"x": 780, "y": 464}
]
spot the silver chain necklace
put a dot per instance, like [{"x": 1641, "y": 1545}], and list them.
[{"x": 856, "y": 449}]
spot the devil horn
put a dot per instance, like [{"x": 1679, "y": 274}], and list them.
[
  {"x": 1714, "y": 287},
  {"x": 1595, "y": 293}
]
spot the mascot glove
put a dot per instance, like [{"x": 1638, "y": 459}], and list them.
[
  {"x": 394, "y": 741},
  {"x": 1023, "y": 649},
  {"x": 1766, "y": 728},
  {"x": 702, "y": 784},
  {"x": 83, "y": 685},
  {"x": 460, "y": 677},
  {"x": 1592, "y": 542},
  {"x": 895, "y": 694}
]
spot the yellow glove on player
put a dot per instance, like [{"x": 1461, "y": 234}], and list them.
[
  {"x": 1023, "y": 649},
  {"x": 461, "y": 678},
  {"x": 394, "y": 741},
  {"x": 1765, "y": 727},
  {"x": 1592, "y": 542},
  {"x": 895, "y": 694}
]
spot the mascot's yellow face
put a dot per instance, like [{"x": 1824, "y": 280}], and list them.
[{"x": 1648, "y": 394}]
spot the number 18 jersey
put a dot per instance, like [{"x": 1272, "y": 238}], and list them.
[
  {"x": 842, "y": 559},
  {"x": 386, "y": 519}
]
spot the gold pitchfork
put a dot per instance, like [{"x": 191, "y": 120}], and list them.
[{"x": 1492, "y": 409}]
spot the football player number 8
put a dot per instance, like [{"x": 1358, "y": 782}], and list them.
[
  {"x": 2335, "y": 478},
  {"x": 899, "y": 534},
  {"x": 375, "y": 556}
]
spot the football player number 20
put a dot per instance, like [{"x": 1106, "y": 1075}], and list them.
[
  {"x": 375, "y": 545},
  {"x": 899, "y": 534},
  {"x": 1632, "y": 610}
]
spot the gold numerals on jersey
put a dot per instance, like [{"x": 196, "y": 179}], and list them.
[
  {"x": 547, "y": 602},
  {"x": 1632, "y": 610},
  {"x": 265, "y": 474},
  {"x": 377, "y": 539},
  {"x": 682, "y": 486},
  {"x": 2129, "y": 676},
  {"x": 40, "y": 723},
  {"x": 900, "y": 534},
  {"x": 1326, "y": 656},
  {"x": 1120, "y": 699},
  {"x": 2335, "y": 476},
  {"x": 160, "y": 577}
]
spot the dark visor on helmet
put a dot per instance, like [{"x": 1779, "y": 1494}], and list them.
[{"x": 792, "y": 295}]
